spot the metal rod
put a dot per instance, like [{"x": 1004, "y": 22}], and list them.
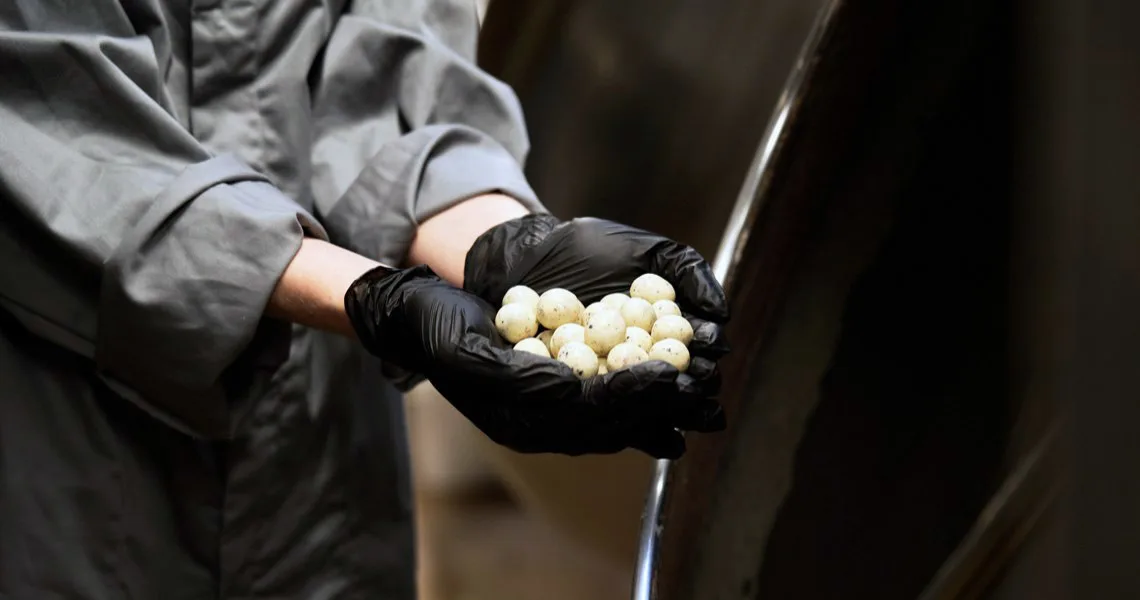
[
  {"x": 650, "y": 532},
  {"x": 749, "y": 199},
  {"x": 732, "y": 243}
]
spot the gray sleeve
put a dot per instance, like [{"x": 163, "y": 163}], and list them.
[
  {"x": 407, "y": 125},
  {"x": 121, "y": 238}
]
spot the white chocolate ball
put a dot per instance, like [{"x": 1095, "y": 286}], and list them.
[
  {"x": 673, "y": 327},
  {"x": 625, "y": 355},
  {"x": 580, "y": 359},
  {"x": 521, "y": 294},
  {"x": 638, "y": 312},
  {"x": 615, "y": 301},
  {"x": 638, "y": 337},
  {"x": 516, "y": 322},
  {"x": 590, "y": 311},
  {"x": 544, "y": 337},
  {"x": 557, "y": 307},
  {"x": 534, "y": 346},
  {"x": 666, "y": 307},
  {"x": 671, "y": 351},
  {"x": 602, "y": 368},
  {"x": 605, "y": 330},
  {"x": 652, "y": 288},
  {"x": 570, "y": 332}
]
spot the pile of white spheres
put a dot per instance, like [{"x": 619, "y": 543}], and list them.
[{"x": 616, "y": 332}]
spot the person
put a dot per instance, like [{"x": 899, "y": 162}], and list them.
[{"x": 231, "y": 232}]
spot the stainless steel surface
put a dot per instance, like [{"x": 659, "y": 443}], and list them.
[{"x": 732, "y": 243}]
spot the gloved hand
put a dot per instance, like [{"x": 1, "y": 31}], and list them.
[
  {"x": 529, "y": 403},
  {"x": 594, "y": 257}
]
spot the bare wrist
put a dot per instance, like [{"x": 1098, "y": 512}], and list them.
[
  {"x": 311, "y": 291},
  {"x": 442, "y": 241}
]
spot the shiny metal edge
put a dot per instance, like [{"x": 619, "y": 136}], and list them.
[
  {"x": 749, "y": 200},
  {"x": 650, "y": 533},
  {"x": 747, "y": 205}
]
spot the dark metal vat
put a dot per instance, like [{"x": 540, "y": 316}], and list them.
[{"x": 935, "y": 287}]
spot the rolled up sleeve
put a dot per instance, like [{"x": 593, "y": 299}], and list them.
[
  {"x": 407, "y": 125},
  {"x": 185, "y": 289},
  {"x": 133, "y": 245}
]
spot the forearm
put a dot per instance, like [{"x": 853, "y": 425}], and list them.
[
  {"x": 442, "y": 241},
  {"x": 311, "y": 291}
]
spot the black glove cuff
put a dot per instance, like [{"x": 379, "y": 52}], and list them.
[{"x": 493, "y": 258}]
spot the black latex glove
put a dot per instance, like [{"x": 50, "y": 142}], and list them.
[
  {"x": 529, "y": 403},
  {"x": 594, "y": 257}
]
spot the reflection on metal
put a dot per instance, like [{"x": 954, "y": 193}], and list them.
[
  {"x": 650, "y": 533},
  {"x": 750, "y": 198},
  {"x": 732, "y": 243},
  {"x": 734, "y": 235}
]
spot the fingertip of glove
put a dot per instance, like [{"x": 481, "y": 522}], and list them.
[
  {"x": 708, "y": 339},
  {"x": 643, "y": 375},
  {"x": 718, "y": 308},
  {"x": 692, "y": 410},
  {"x": 702, "y": 382},
  {"x": 714, "y": 304},
  {"x": 702, "y": 369}
]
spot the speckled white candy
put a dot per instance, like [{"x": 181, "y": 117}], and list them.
[
  {"x": 652, "y": 288},
  {"x": 521, "y": 294},
  {"x": 671, "y": 351},
  {"x": 534, "y": 346},
  {"x": 605, "y": 329},
  {"x": 639, "y": 337},
  {"x": 544, "y": 337},
  {"x": 666, "y": 307},
  {"x": 590, "y": 311},
  {"x": 625, "y": 355},
  {"x": 615, "y": 301},
  {"x": 638, "y": 312},
  {"x": 570, "y": 332},
  {"x": 557, "y": 307},
  {"x": 516, "y": 322},
  {"x": 673, "y": 327},
  {"x": 580, "y": 358}
]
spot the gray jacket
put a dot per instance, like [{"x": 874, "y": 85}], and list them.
[{"x": 160, "y": 161}]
